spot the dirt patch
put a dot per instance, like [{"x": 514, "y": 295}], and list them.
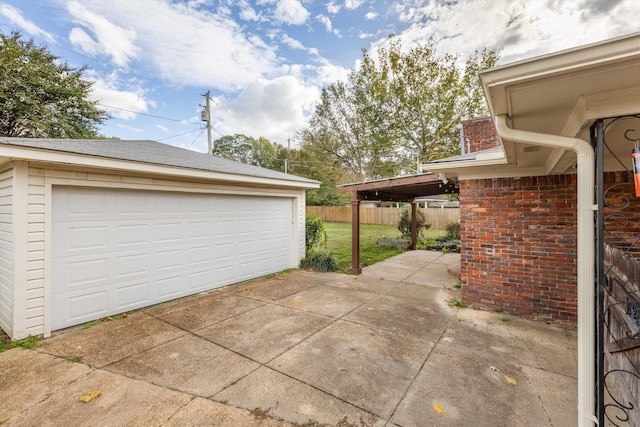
[{"x": 4, "y": 338}]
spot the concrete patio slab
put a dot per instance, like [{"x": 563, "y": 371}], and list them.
[
  {"x": 29, "y": 377},
  {"x": 187, "y": 364},
  {"x": 369, "y": 368},
  {"x": 265, "y": 332},
  {"x": 312, "y": 349},
  {"x": 123, "y": 402},
  {"x": 202, "y": 412},
  {"x": 205, "y": 311},
  {"x": 108, "y": 342},
  {"x": 469, "y": 373},
  {"x": 523, "y": 342},
  {"x": 274, "y": 288},
  {"x": 409, "y": 317},
  {"x": 432, "y": 277},
  {"x": 363, "y": 283},
  {"x": 327, "y": 301},
  {"x": 418, "y": 291},
  {"x": 388, "y": 272},
  {"x": 284, "y": 397}
]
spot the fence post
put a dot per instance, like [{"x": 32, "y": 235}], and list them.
[{"x": 355, "y": 235}]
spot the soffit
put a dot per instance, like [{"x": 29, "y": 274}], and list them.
[{"x": 563, "y": 94}]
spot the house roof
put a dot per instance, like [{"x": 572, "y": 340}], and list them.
[
  {"x": 402, "y": 188},
  {"x": 560, "y": 94},
  {"x": 131, "y": 154}
]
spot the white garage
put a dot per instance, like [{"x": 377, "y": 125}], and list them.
[{"x": 90, "y": 229}]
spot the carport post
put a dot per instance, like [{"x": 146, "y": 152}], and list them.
[
  {"x": 355, "y": 234},
  {"x": 414, "y": 226}
]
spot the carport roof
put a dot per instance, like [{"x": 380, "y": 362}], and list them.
[
  {"x": 402, "y": 188},
  {"x": 140, "y": 151}
]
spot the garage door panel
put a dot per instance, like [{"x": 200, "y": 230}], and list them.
[
  {"x": 73, "y": 273},
  {"x": 136, "y": 264},
  {"x": 132, "y": 296},
  {"x": 80, "y": 238},
  {"x": 131, "y": 235},
  {"x": 170, "y": 287},
  {"x": 156, "y": 246},
  {"x": 84, "y": 206},
  {"x": 83, "y": 307}
]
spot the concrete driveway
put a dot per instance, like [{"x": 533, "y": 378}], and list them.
[{"x": 382, "y": 349}]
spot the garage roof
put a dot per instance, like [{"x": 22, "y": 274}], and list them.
[{"x": 140, "y": 151}]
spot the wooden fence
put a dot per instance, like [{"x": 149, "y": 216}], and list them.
[{"x": 437, "y": 217}]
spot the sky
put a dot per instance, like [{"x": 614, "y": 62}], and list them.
[{"x": 265, "y": 62}]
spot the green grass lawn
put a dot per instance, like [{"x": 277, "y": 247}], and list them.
[{"x": 339, "y": 243}]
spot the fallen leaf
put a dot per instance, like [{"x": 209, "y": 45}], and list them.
[
  {"x": 510, "y": 380},
  {"x": 90, "y": 396},
  {"x": 438, "y": 408},
  {"x": 248, "y": 289}
]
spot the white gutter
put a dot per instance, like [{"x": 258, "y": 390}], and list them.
[{"x": 586, "y": 257}]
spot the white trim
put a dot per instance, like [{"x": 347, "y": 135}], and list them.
[
  {"x": 48, "y": 254},
  {"x": 137, "y": 168},
  {"x": 20, "y": 242}
]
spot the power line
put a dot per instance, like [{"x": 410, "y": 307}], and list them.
[
  {"x": 196, "y": 138},
  {"x": 147, "y": 114},
  {"x": 180, "y": 134}
]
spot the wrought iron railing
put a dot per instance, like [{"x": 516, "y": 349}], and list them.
[{"x": 618, "y": 285}]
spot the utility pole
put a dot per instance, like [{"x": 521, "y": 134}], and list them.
[
  {"x": 206, "y": 117},
  {"x": 286, "y": 158}
]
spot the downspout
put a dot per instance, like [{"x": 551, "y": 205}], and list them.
[{"x": 586, "y": 257}]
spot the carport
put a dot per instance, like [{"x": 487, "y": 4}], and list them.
[{"x": 399, "y": 189}]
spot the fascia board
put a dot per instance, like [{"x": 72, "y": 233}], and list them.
[{"x": 53, "y": 157}]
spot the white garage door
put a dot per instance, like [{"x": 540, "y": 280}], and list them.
[{"x": 117, "y": 250}]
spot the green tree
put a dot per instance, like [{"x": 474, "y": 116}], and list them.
[
  {"x": 259, "y": 152},
  {"x": 429, "y": 94},
  {"x": 397, "y": 107},
  {"x": 41, "y": 96},
  {"x": 309, "y": 161}
]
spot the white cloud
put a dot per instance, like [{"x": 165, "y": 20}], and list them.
[
  {"x": 111, "y": 39},
  {"x": 15, "y": 17},
  {"x": 274, "y": 109},
  {"x": 370, "y": 16},
  {"x": 162, "y": 128},
  {"x": 121, "y": 103},
  {"x": 353, "y": 4},
  {"x": 333, "y": 7},
  {"x": 247, "y": 13},
  {"x": 291, "y": 12},
  {"x": 325, "y": 21},
  {"x": 291, "y": 42},
  {"x": 522, "y": 29},
  {"x": 130, "y": 128},
  {"x": 171, "y": 41}
]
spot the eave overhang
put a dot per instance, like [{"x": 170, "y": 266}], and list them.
[{"x": 10, "y": 153}]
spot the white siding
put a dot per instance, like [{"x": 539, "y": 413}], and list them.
[
  {"x": 35, "y": 254},
  {"x": 6, "y": 251},
  {"x": 43, "y": 178}
]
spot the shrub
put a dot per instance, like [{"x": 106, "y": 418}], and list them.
[
  {"x": 315, "y": 232},
  {"x": 320, "y": 261},
  {"x": 404, "y": 225},
  {"x": 453, "y": 230}
]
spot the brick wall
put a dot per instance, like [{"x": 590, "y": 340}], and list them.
[
  {"x": 519, "y": 245},
  {"x": 479, "y": 134}
]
